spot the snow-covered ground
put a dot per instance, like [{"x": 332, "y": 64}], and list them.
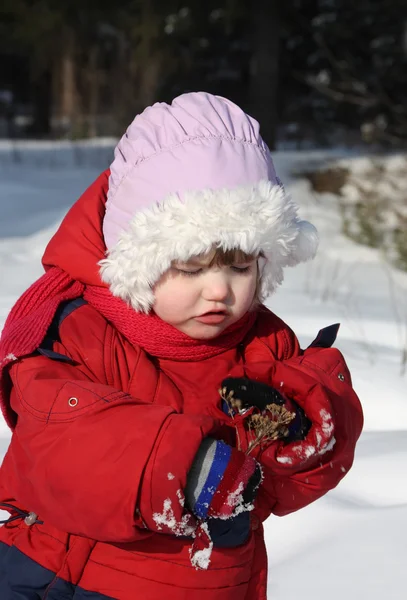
[{"x": 352, "y": 543}]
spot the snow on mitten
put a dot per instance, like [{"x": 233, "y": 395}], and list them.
[
  {"x": 319, "y": 440},
  {"x": 222, "y": 481}
]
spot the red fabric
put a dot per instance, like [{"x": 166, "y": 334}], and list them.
[
  {"x": 106, "y": 472},
  {"x": 28, "y": 322}
]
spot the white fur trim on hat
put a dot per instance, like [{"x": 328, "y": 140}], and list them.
[{"x": 256, "y": 218}]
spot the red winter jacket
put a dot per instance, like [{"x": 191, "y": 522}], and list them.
[{"x": 105, "y": 442}]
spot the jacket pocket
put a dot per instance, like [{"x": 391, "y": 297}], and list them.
[{"x": 57, "y": 393}]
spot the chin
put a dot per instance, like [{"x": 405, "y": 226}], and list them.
[
  {"x": 205, "y": 332},
  {"x": 204, "y": 336}
]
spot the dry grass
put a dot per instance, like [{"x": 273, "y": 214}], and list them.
[{"x": 372, "y": 202}]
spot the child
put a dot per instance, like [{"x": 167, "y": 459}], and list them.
[{"x": 127, "y": 475}]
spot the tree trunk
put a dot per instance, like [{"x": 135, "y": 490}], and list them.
[
  {"x": 66, "y": 106},
  {"x": 263, "y": 84},
  {"x": 93, "y": 84},
  {"x": 148, "y": 55},
  {"x": 42, "y": 104},
  {"x": 149, "y": 82},
  {"x": 143, "y": 66}
]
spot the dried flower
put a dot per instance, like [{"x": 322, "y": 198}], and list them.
[
  {"x": 235, "y": 405},
  {"x": 270, "y": 425}
]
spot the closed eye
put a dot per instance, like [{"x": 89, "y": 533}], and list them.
[
  {"x": 240, "y": 269},
  {"x": 195, "y": 272},
  {"x": 188, "y": 273}
]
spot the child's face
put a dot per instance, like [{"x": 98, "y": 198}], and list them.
[{"x": 202, "y": 300}]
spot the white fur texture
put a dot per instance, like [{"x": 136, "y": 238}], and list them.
[{"x": 257, "y": 218}]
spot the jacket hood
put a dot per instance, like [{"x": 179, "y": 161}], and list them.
[{"x": 78, "y": 245}]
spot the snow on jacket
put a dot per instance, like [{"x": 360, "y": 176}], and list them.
[{"x": 101, "y": 452}]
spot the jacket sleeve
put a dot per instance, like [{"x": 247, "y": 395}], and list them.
[
  {"x": 96, "y": 461},
  {"x": 317, "y": 378}
]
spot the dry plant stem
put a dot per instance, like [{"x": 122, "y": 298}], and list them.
[
  {"x": 232, "y": 405},
  {"x": 269, "y": 428},
  {"x": 397, "y": 301}
]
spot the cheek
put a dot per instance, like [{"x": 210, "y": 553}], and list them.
[
  {"x": 249, "y": 288},
  {"x": 253, "y": 292},
  {"x": 170, "y": 299},
  {"x": 244, "y": 292}
]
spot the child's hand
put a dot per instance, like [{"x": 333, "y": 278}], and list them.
[
  {"x": 307, "y": 437},
  {"x": 246, "y": 393},
  {"x": 222, "y": 482},
  {"x": 231, "y": 532},
  {"x": 319, "y": 440},
  {"x": 242, "y": 393}
]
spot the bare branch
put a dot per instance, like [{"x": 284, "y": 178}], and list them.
[{"x": 335, "y": 94}]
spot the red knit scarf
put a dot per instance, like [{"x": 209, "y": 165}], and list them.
[
  {"x": 32, "y": 314},
  {"x": 159, "y": 338}
]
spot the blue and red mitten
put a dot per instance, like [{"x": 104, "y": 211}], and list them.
[{"x": 222, "y": 481}]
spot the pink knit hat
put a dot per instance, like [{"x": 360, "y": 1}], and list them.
[{"x": 190, "y": 176}]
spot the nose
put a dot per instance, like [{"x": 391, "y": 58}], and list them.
[{"x": 216, "y": 287}]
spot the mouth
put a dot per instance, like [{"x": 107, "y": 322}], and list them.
[{"x": 212, "y": 317}]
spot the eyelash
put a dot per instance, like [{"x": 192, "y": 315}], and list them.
[{"x": 239, "y": 270}]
